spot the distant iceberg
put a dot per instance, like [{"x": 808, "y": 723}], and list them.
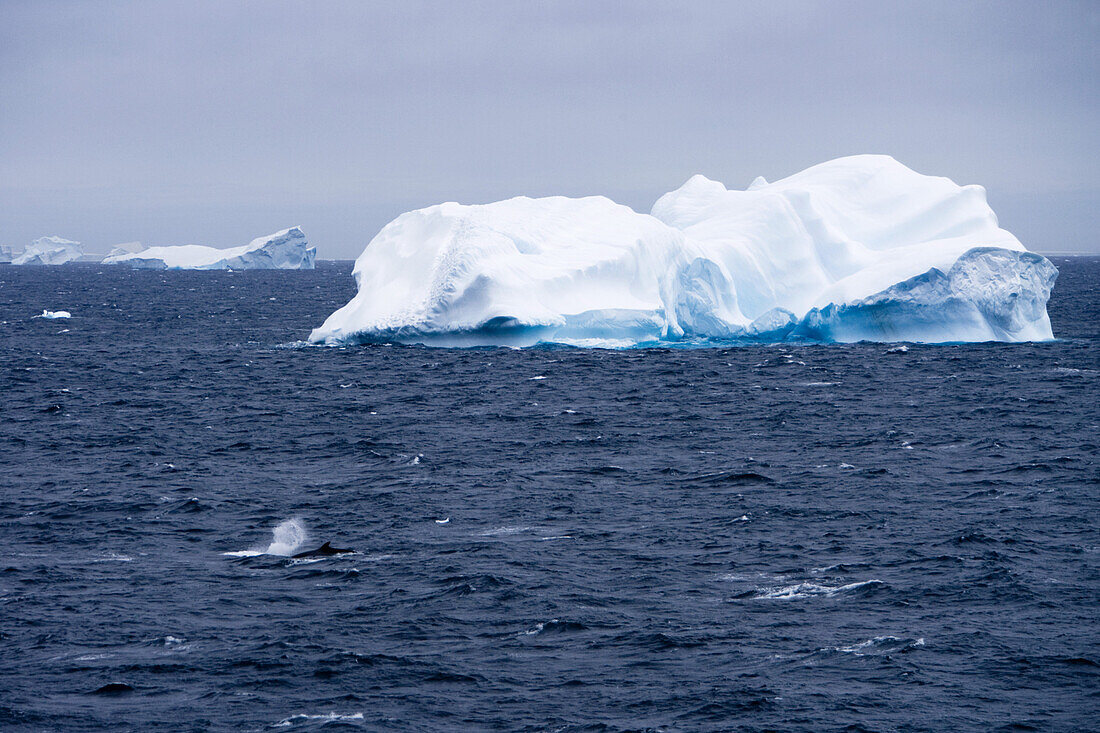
[
  {"x": 858, "y": 248},
  {"x": 125, "y": 248},
  {"x": 283, "y": 250},
  {"x": 49, "y": 251}
]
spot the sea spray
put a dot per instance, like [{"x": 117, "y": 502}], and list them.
[{"x": 287, "y": 538}]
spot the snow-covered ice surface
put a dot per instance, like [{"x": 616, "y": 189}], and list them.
[
  {"x": 516, "y": 271},
  {"x": 125, "y": 248},
  {"x": 283, "y": 250},
  {"x": 858, "y": 248},
  {"x": 49, "y": 251}
]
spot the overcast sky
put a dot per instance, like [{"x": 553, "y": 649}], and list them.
[{"x": 216, "y": 122}]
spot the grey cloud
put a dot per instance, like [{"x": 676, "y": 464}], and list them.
[{"x": 214, "y": 122}]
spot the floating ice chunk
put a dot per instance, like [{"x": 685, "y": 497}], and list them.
[
  {"x": 55, "y": 314},
  {"x": 49, "y": 251},
  {"x": 858, "y": 248},
  {"x": 283, "y": 250}
]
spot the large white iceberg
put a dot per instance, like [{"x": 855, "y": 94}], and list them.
[
  {"x": 283, "y": 250},
  {"x": 49, "y": 251},
  {"x": 125, "y": 248},
  {"x": 858, "y": 248}
]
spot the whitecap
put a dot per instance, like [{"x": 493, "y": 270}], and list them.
[
  {"x": 324, "y": 717},
  {"x": 114, "y": 557},
  {"x": 503, "y": 531},
  {"x": 810, "y": 590},
  {"x": 538, "y": 628},
  {"x": 879, "y": 644}
]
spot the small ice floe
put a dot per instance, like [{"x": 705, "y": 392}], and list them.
[
  {"x": 536, "y": 378},
  {"x": 55, "y": 314},
  {"x": 846, "y": 466},
  {"x": 322, "y": 718},
  {"x": 443, "y": 521},
  {"x": 903, "y": 349}
]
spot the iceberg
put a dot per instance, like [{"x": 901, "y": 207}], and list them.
[
  {"x": 283, "y": 250},
  {"x": 125, "y": 248},
  {"x": 516, "y": 271},
  {"x": 855, "y": 249},
  {"x": 49, "y": 251}
]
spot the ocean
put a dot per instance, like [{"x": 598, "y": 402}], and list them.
[{"x": 793, "y": 537}]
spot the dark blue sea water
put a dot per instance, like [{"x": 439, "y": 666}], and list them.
[{"x": 792, "y": 538}]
